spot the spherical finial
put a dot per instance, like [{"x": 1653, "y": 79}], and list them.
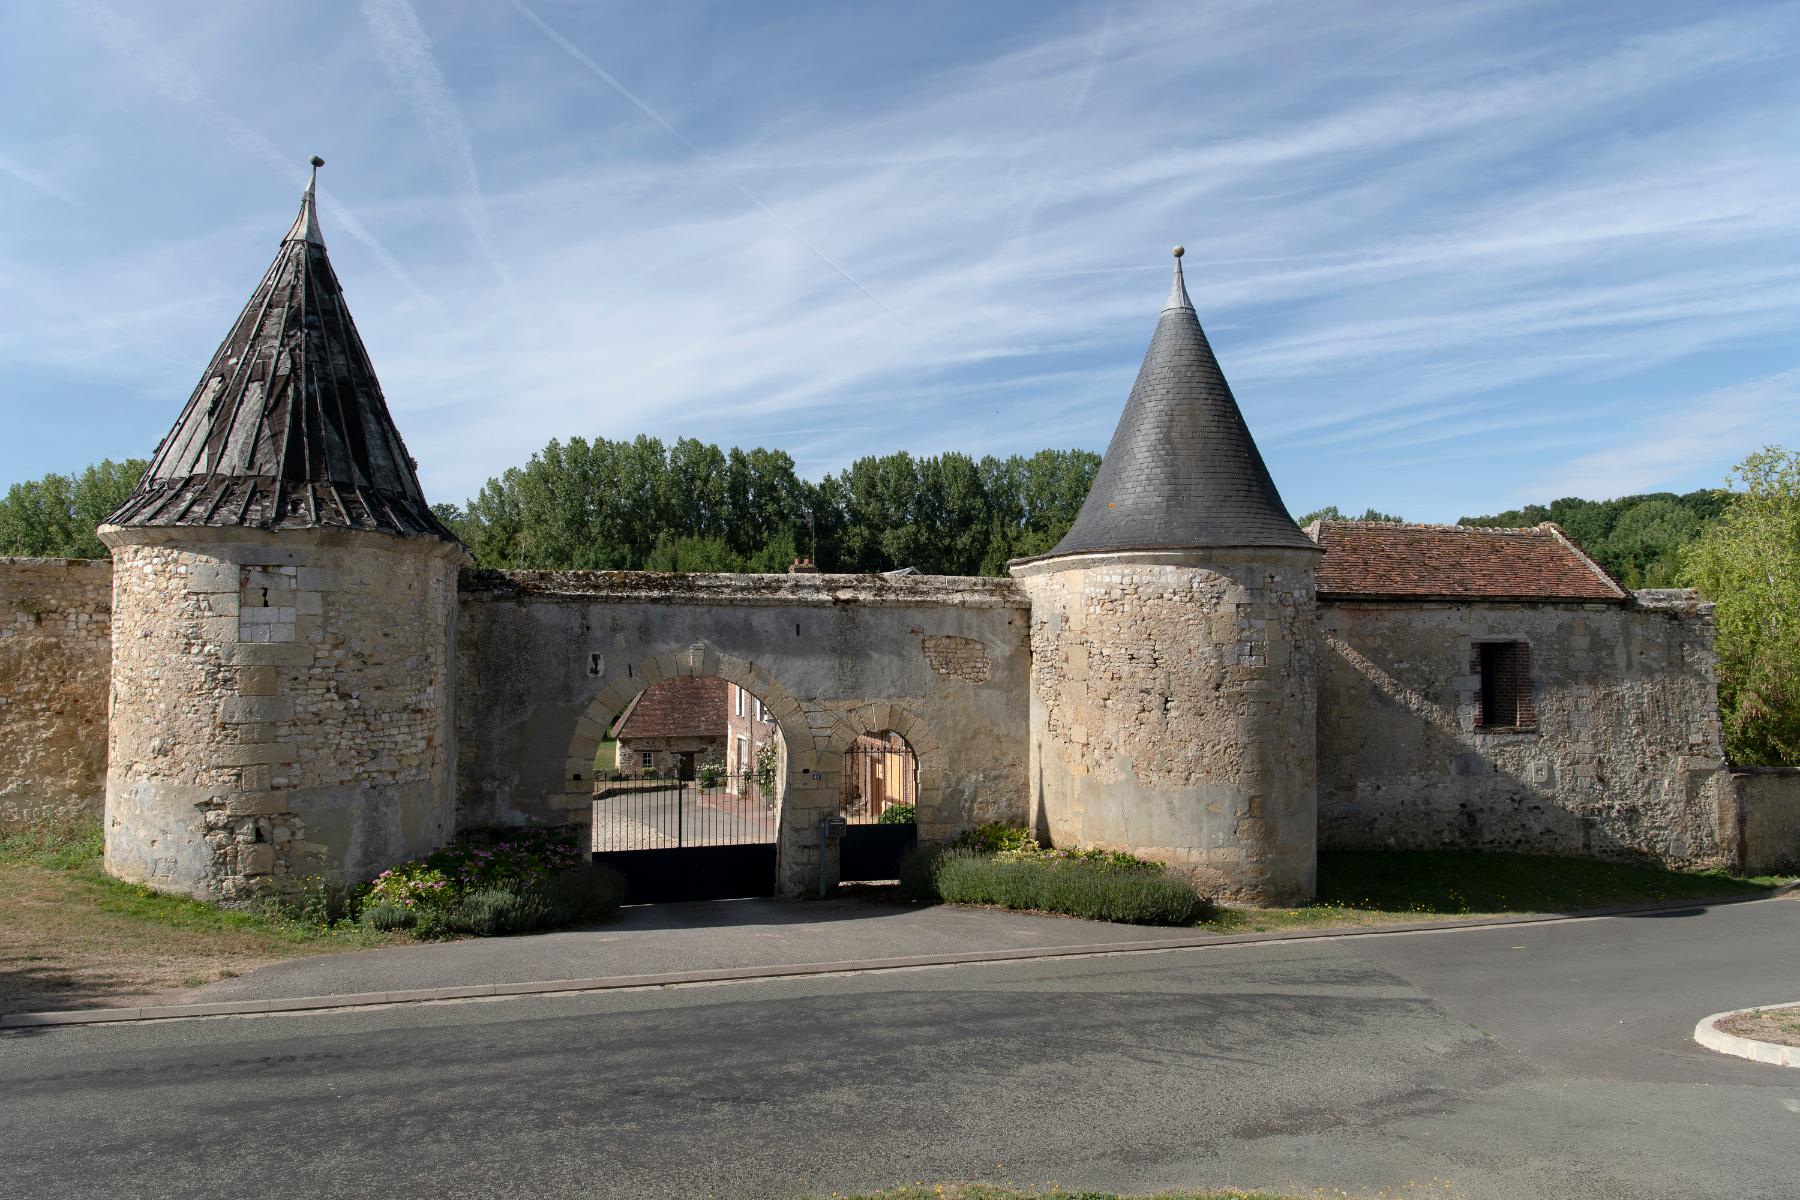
[
  {"x": 317, "y": 161},
  {"x": 1178, "y": 251}
]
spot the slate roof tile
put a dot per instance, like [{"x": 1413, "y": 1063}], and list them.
[{"x": 1182, "y": 470}]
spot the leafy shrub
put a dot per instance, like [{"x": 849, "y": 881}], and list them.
[
  {"x": 494, "y": 883},
  {"x": 516, "y": 860},
  {"x": 1092, "y": 889},
  {"x": 918, "y": 874},
  {"x": 587, "y": 893},
  {"x": 492, "y": 912},
  {"x": 898, "y": 814},
  {"x": 995, "y": 837},
  {"x": 387, "y": 917}
]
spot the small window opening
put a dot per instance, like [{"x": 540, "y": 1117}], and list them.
[{"x": 1504, "y": 701}]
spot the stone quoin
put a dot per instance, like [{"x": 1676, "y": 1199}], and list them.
[{"x": 307, "y": 679}]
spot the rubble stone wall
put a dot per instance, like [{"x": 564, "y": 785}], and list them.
[
  {"x": 546, "y": 659},
  {"x": 1768, "y": 800},
  {"x": 281, "y": 706},
  {"x": 1172, "y": 713},
  {"x": 1625, "y": 760},
  {"x": 55, "y": 662}
]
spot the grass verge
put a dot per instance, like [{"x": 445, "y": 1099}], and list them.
[
  {"x": 1354, "y": 888},
  {"x": 75, "y": 937},
  {"x": 1389, "y": 886}
]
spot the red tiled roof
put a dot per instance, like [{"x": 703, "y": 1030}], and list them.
[
  {"x": 686, "y": 706},
  {"x": 1381, "y": 559}
]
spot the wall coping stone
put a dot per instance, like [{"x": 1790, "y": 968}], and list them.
[{"x": 667, "y": 587}]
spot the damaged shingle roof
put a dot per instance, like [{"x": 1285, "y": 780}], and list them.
[
  {"x": 1182, "y": 471},
  {"x": 287, "y": 428},
  {"x": 1382, "y": 560}
]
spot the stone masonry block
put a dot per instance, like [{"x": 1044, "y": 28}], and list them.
[
  {"x": 257, "y": 681},
  {"x": 247, "y": 755},
  {"x": 277, "y": 654},
  {"x": 257, "y": 804},
  {"x": 241, "y": 710},
  {"x": 212, "y": 577}
]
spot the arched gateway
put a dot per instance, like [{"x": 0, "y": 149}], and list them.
[{"x": 547, "y": 661}]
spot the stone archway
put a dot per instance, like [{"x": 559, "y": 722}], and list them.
[
  {"x": 800, "y": 776},
  {"x": 934, "y": 823}
]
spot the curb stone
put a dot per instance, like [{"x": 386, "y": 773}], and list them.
[
  {"x": 299, "y": 1004},
  {"x": 1708, "y": 1034}
]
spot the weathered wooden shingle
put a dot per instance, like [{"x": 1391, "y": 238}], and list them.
[
  {"x": 1182, "y": 471},
  {"x": 287, "y": 428}
]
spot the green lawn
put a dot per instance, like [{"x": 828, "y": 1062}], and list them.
[{"x": 1379, "y": 887}]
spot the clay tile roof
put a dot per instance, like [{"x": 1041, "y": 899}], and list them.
[
  {"x": 287, "y": 428},
  {"x": 1182, "y": 471},
  {"x": 1387, "y": 560},
  {"x": 686, "y": 706}
]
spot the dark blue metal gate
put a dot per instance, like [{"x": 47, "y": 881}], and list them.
[{"x": 708, "y": 838}]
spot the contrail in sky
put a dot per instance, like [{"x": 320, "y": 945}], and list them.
[{"x": 606, "y": 77}]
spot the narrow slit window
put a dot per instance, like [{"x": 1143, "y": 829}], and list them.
[{"x": 1504, "y": 701}]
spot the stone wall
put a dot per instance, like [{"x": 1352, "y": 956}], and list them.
[
  {"x": 545, "y": 658},
  {"x": 1172, "y": 713},
  {"x": 1625, "y": 760},
  {"x": 281, "y": 706},
  {"x": 1768, "y": 805},
  {"x": 55, "y": 661}
]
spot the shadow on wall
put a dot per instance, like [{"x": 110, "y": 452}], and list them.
[{"x": 1398, "y": 771}]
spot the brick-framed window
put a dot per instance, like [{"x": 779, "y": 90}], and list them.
[{"x": 1504, "y": 698}]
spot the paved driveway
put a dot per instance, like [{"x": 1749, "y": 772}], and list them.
[{"x": 1514, "y": 1062}]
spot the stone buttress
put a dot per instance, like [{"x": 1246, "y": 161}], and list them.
[
  {"x": 1172, "y": 642},
  {"x": 286, "y": 604}
]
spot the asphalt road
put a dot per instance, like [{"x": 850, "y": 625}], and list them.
[{"x": 1514, "y": 1062}]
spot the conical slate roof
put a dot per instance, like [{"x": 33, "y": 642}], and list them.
[
  {"x": 1182, "y": 471},
  {"x": 287, "y": 428}
]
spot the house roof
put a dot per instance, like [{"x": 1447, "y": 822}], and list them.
[
  {"x": 685, "y": 706},
  {"x": 287, "y": 428},
  {"x": 1378, "y": 559},
  {"x": 1182, "y": 471}
]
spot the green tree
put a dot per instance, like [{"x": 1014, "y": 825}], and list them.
[
  {"x": 1332, "y": 512},
  {"x": 1748, "y": 564},
  {"x": 55, "y": 517}
]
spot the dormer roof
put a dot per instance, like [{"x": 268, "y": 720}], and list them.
[{"x": 287, "y": 428}]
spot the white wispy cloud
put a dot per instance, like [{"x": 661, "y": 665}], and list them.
[{"x": 1460, "y": 229}]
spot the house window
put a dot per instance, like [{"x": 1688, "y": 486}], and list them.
[
  {"x": 737, "y": 698},
  {"x": 648, "y": 759},
  {"x": 1504, "y": 701}
]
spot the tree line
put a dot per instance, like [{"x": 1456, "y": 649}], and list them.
[{"x": 691, "y": 506}]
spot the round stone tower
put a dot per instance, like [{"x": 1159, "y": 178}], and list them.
[
  {"x": 283, "y": 606},
  {"x": 1173, "y": 685}
]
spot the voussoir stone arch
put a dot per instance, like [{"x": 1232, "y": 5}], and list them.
[
  {"x": 698, "y": 658},
  {"x": 927, "y": 749}
]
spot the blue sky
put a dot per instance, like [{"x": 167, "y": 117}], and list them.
[{"x": 1453, "y": 257}]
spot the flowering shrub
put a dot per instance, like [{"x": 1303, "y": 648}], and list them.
[{"x": 511, "y": 860}]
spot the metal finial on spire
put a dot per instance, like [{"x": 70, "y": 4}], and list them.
[
  {"x": 1178, "y": 297},
  {"x": 306, "y": 225}
]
